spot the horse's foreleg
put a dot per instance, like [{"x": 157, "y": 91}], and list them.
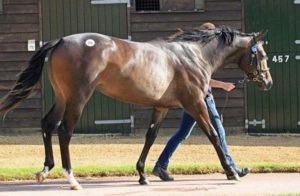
[
  {"x": 201, "y": 115},
  {"x": 215, "y": 140},
  {"x": 49, "y": 123},
  {"x": 157, "y": 116},
  {"x": 71, "y": 117}
]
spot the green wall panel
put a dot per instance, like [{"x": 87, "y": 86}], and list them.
[{"x": 280, "y": 107}]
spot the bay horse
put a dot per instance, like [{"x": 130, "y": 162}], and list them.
[{"x": 163, "y": 73}]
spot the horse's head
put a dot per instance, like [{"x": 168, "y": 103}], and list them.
[{"x": 254, "y": 62}]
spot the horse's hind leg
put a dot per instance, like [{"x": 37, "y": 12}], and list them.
[
  {"x": 157, "y": 116},
  {"x": 72, "y": 115},
  {"x": 201, "y": 115},
  {"x": 49, "y": 123}
]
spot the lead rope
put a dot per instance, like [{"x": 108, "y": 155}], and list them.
[{"x": 224, "y": 106}]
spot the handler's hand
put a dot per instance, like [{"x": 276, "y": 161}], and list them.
[{"x": 227, "y": 86}]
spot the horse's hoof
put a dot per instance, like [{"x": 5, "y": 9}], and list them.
[
  {"x": 39, "y": 177},
  {"x": 76, "y": 187},
  {"x": 144, "y": 182}
]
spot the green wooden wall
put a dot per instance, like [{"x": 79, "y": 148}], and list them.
[
  {"x": 65, "y": 17},
  {"x": 280, "y": 107}
]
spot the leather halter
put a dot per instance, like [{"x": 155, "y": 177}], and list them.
[{"x": 256, "y": 74}]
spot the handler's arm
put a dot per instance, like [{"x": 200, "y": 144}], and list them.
[{"x": 227, "y": 86}]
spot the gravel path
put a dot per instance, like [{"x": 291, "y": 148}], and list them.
[{"x": 214, "y": 184}]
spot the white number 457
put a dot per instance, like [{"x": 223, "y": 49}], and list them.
[{"x": 280, "y": 58}]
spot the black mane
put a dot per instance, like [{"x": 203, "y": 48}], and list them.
[{"x": 203, "y": 36}]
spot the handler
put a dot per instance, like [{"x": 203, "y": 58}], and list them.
[{"x": 186, "y": 126}]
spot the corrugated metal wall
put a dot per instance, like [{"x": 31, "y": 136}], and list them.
[
  {"x": 65, "y": 17},
  {"x": 280, "y": 107}
]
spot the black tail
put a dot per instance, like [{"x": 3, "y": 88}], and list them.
[{"x": 27, "y": 79}]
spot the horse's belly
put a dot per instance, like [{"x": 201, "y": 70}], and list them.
[{"x": 132, "y": 92}]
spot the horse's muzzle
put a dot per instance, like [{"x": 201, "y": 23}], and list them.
[{"x": 266, "y": 85}]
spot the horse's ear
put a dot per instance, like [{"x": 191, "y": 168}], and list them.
[{"x": 260, "y": 35}]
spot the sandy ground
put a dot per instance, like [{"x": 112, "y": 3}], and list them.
[
  {"x": 214, "y": 184},
  {"x": 28, "y": 151}
]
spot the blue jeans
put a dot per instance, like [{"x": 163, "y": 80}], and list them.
[{"x": 186, "y": 126}]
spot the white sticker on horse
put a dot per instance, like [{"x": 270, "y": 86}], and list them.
[{"x": 90, "y": 42}]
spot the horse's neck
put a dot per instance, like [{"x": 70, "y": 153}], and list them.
[
  {"x": 226, "y": 54},
  {"x": 216, "y": 56}
]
